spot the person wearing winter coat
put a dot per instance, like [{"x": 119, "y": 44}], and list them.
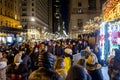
[
  {"x": 76, "y": 72},
  {"x": 98, "y": 53},
  {"x": 45, "y": 71},
  {"x": 92, "y": 65},
  {"x": 68, "y": 58},
  {"x": 59, "y": 67},
  {"x": 18, "y": 56},
  {"x": 3, "y": 67},
  {"x": 114, "y": 66},
  {"x": 82, "y": 62},
  {"x": 18, "y": 68},
  {"x": 34, "y": 59},
  {"x": 75, "y": 48},
  {"x": 59, "y": 51}
]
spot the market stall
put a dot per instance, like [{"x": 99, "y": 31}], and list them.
[{"x": 110, "y": 28}]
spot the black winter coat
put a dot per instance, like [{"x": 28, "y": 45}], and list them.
[
  {"x": 96, "y": 74},
  {"x": 18, "y": 70}
]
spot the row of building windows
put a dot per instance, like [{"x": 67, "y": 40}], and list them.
[
  {"x": 24, "y": 20},
  {"x": 25, "y": 14},
  {"x": 26, "y": 0},
  {"x": 25, "y": 9},
  {"x": 0, "y": 1},
  {"x": 80, "y": 23},
  {"x": 6, "y": 13},
  {"x": 91, "y": 4},
  {"x": 82, "y": 11},
  {"x": 7, "y": 23},
  {"x": 25, "y": 4},
  {"x": 42, "y": 10},
  {"x": 77, "y": 11},
  {"x": 38, "y": 11},
  {"x": 8, "y": 5}
]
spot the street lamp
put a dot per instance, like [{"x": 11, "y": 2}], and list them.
[
  {"x": 30, "y": 27},
  {"x": 33, "y": 19}
]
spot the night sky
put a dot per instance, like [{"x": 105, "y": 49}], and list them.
[{"x": 65, "y": 10}]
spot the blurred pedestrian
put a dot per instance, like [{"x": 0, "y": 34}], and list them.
[
  {"x": 68, "y": 58},
  {"x": 45, "y": 71},
  {"x": 82, "y": 62},
  {"x": 59, "y": 51},
  {"x": 76, "y": 72},
  {"x": 114, "y": 66},
  {"x": 92, "y": 65},
  {"x": 98, "y": 53},
  {"x": 60, "y": 67},
  {"x": 3, "y": 67},
  {"x": 18, "y": 70}
]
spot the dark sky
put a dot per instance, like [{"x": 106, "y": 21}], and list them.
[{"x": 65, "y": 10}]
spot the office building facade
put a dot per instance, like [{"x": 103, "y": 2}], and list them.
[
  {"x": 10, "y": 14},
  {"x": 57, "y": 17},
  {"x": 10, "y": 27},
  {"x": 82, "y": 11},
  {"x": 35, "y": 18}
]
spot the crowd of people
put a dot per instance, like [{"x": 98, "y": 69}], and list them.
[{"x": 54, "y": 60}]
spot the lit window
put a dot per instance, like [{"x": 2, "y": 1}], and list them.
[
  {"x": 92, "y": 4},
  {"x": 79, "y": 11},
  {"x": 24, "y": 14},
  {"x": 24, "y": 9},
  {"x": 24, "y": 4},
  {"x": 32, "y": 4},
  {"x": 80, "y": 23},
  {"x": 1, "y": 11},
  {"x": 79, "y": 4},
  {"x": 32, "y": 14},
  {"x": 32, "y": 9}
]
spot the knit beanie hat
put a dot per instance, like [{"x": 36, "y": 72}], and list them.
[
  {"x": 87, "y": 49},
  {"x": 92, "y": 59},
  {"x": 68, "y": 51},
  {"x": 76, "y": 72},
  {"x": 92, "y": 62}
]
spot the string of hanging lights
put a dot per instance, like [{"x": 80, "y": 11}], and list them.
[
  {"x": 111, "y": 10},
  {"x": 92, "y": 25}
]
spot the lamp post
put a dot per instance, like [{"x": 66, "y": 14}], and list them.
[{"x": 30, "y": 30}]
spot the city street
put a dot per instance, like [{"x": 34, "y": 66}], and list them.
[{"x": 34, "y": 34}]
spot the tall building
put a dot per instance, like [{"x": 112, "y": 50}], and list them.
[
  {"x": 34, "y": 17},
  {"x": 9, "y": 18},
  {"x": 82, "y": 11},
  {"x": 57, "y": 18}
]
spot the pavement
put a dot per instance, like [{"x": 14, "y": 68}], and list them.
[
  {"x": 105, "y": 73},
  {"x": 76, "y": 57}
]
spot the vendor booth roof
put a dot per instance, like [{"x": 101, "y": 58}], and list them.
[{"x": 111, "y": 10}]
